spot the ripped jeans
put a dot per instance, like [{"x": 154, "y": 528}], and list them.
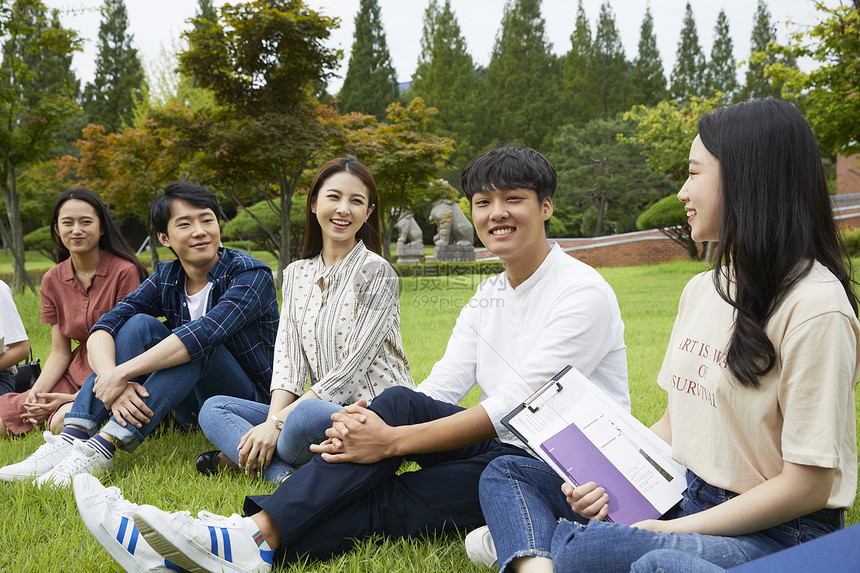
[{"x": 528, "y": 516}]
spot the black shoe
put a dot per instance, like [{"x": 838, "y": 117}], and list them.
[{"x": 207, "y": 463}]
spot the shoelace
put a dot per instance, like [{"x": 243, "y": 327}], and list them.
[
  {"x": 52, "y": 442},
  {"x": 209, "y": 518},
  {"x": 118, "y": 503},
  {"x": 78, "y": 458}
]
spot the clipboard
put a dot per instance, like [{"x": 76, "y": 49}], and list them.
[{"x": 584, "y": 435}]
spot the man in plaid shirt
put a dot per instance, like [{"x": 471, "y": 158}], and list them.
[{"x": 218, "y": 339}]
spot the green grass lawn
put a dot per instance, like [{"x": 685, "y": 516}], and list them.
[{"x": 42, "y": 529}]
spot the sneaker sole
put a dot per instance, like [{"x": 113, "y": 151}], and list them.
[
  {"x": 83, "y": 492},
  {"x": 176, "y": 548}
]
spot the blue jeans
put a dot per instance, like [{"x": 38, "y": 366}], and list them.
[
  {"x": 217, "y": 372},
  {"x": 7, "y": 381},
  {"x": 225, "y": 419},
  {"x": 521, "y": 529}
]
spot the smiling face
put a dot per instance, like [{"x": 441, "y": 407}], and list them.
[
  {"x": 78, "y": 226},
  {"x": 193, "y": 234},
  {"x": 701, "y": 194},
  {"x": 510, "y": 223},
  {"x": 341, "y": 206}
]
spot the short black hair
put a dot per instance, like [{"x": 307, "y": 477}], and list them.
[
  {"x": 509, "y": 167},
  {"x": 160, "y": 210}
]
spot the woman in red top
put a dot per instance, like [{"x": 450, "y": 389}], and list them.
[{"x": 95, "y": 269}]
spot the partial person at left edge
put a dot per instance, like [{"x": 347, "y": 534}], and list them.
[
  {"x": 14, "y": 344},
  {"x": 218, "y": 338}
]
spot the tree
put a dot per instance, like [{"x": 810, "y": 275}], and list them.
[
  {"x": 31, "y": 119},
  {"x": 688, "y": 75},
  {"x": 524, "y": 77},
  {"x": 404, "y": 157},
  {"x": 668, "y": 215},
  {"x": 445, "y": 78},
  {"x": 722, "y": 68},
  {"x": 756, "y": 85},
  {"x": 260, "y": 60},
  {"x": 119, "y": 81},
  {"x": 667, "y": 130},
  {"x": 579, "y": 108},
  {"x": 647, "y": 82},
  {"x": 370, "y": 83},
  {"x": 595, "y": 168},
  {"x": 246, "y": 226},
  {"x": 830, "y": 91},
  {"x": 607, "y": 77}
]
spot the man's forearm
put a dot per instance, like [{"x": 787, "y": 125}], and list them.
[
  {"x": 169, "y": 352},
  {"x": 456, "y": 431},
  {"x": 101, "y": 351}
]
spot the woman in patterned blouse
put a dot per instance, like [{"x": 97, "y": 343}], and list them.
[{"x": 339, "y": 331}]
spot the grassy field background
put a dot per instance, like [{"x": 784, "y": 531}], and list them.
[{"x": 43, "y": 532}]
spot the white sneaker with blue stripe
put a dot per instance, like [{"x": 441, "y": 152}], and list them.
[
  {"x": 210, "y": 543},
  {"x": 108, "y": 518}
]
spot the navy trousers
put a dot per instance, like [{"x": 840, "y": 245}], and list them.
[{"x": 324, "y": 508}]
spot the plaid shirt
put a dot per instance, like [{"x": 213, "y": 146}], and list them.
[{"x": 241, "y": 313}]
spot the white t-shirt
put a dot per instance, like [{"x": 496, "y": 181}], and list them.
[
  {"x": 511, "y": 341},
  {"x": 197, "y": 302},
  {"x": 735, "y": 437},
  {"x": 11, "y": 327}
]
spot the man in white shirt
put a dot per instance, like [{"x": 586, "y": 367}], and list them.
[{"x": 547, "y": 310}]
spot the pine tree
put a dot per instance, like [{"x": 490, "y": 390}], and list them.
[
  {"x": 524, "y": 77},
  {"x": 35, "y": 107},
  {"x": 756, "y": 84},
  {"x": 647, "y": 82},
  {"x": 723, "y": 68},
  {"x": 578, "y": 107},
  {"x": 206, "y": 11},
  {"x": 607, "y": 78},
  {"x": 119, "y": 81},
  {"x": 688, "y": 75},
  {"x": 445, "y": 78},
  {"x": 370, "y": 83}
]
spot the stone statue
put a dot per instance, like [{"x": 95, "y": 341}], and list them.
[
  {"x": 453, "y": 228},
  {"x": 410, "y": 239},
  {"x": 408, "y": 231},
  {"x": 455, "y": 235}
]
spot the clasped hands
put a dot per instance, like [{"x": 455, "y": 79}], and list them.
[
  {"x": 123, "y": 398},
  {"x": 357, "y": 435},
  {"x": 40, "y": 405}
]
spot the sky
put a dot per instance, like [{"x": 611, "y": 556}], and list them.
[{"x": 157, "y": 25}]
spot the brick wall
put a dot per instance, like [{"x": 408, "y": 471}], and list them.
[{"x": 847, "y": 174}]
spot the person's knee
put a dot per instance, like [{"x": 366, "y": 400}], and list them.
[
  {"x": 391, "y": 398},
  {"x": 211, "y": 412}
]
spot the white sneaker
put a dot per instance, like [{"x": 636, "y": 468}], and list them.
[
  {"x": 480, "y": 547},
  {"x": 39, "y": 462},
  {"x": 81, "y": 460},
  {"x": 108, "y": 517},
  {"x": 210, "y": 543}
]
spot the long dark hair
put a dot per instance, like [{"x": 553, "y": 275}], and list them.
[
  {"x": 110, "y": 240},
  {"x": 776, "y": 220},
  {"x": 369, "y": 231}
]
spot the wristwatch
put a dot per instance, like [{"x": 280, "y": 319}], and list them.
[{"x": 279, "y": 424}]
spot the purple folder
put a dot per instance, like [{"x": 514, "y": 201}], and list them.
[{"x": 574, "y": 453}]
